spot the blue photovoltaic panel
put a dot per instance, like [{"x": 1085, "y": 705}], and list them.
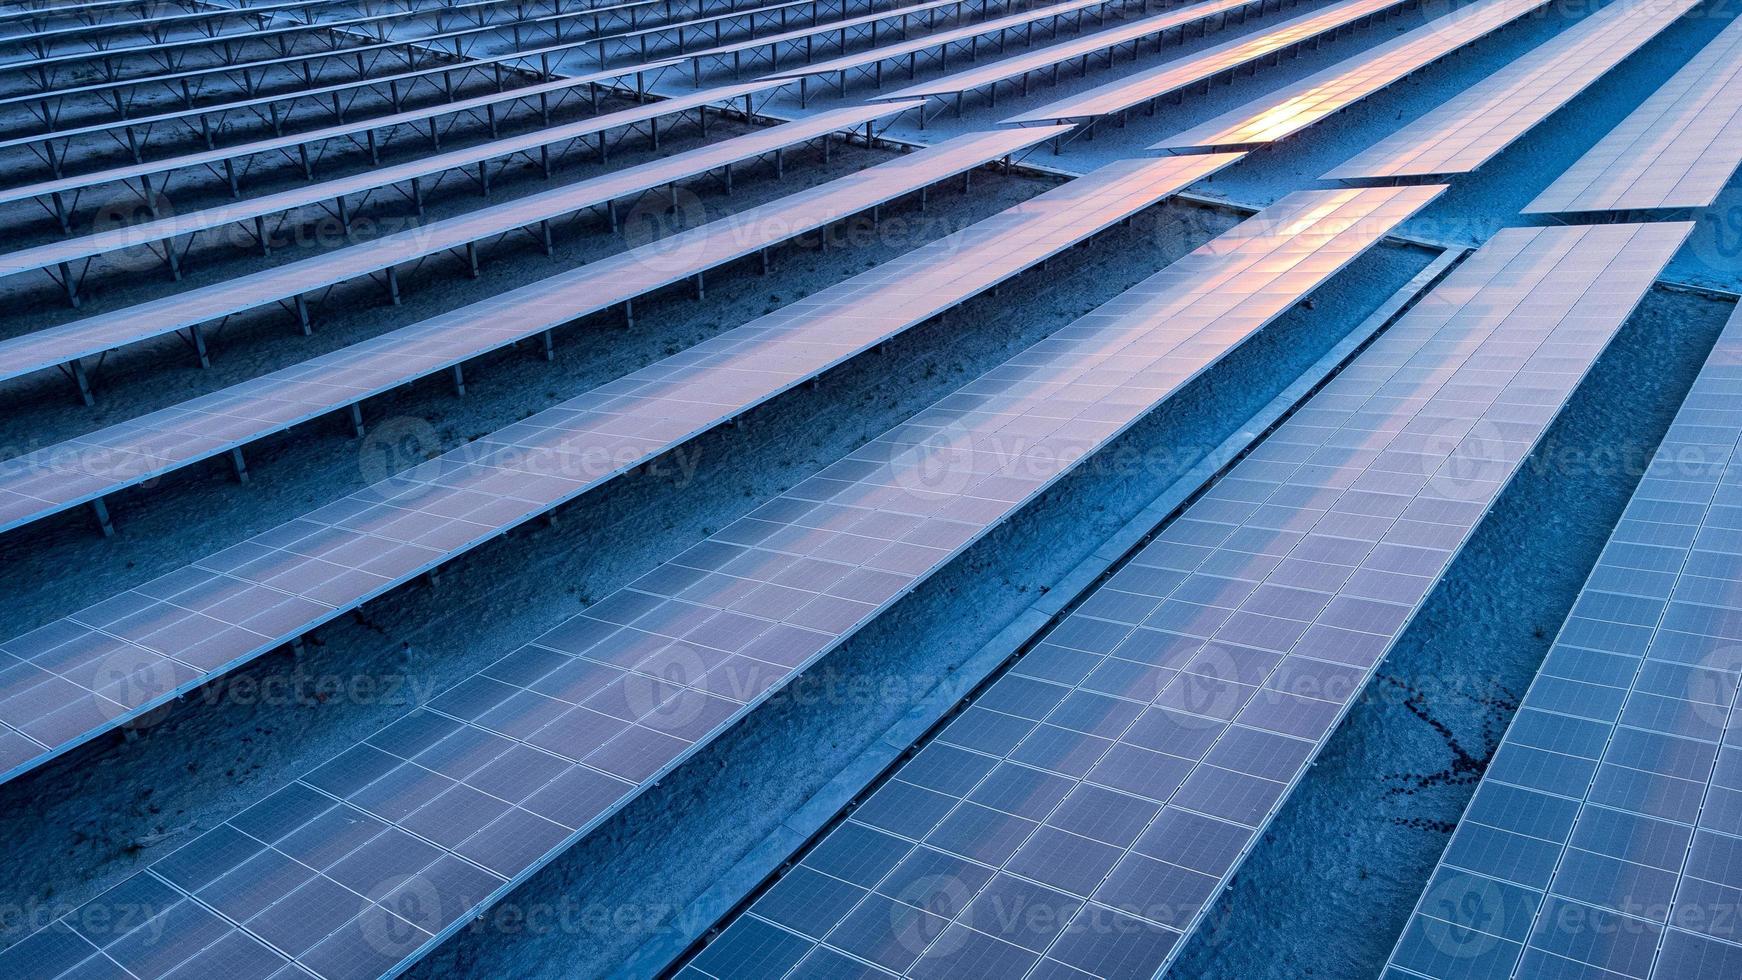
[
  {"x": 86, "y": 467},
  {"x": 1177, "y": 19},
  {"x": 1481, "y": 121},
  {"x": 90, "y": 672},
  {"x": 369, "y": 860},
  {"x": 1285, "y": 111},
  {"x": 1134, "y": 89},
  {"x": 209, "y": 119},
  {"x": 1677, "y": 150},
  {"x": 1080, "y": 815},
  {"x": 229, "y": 48},
  {"x": 968, "y": 33},
  {"x": 77, "y": 250},
  {"x": 497, "y": 105},
  {"x": 1605, "y": 839},
  {"x": 93, "y": 335}
]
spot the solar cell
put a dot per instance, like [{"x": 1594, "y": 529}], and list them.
[
  {"x": 60, "y": 345},
  {"x": 1602, "y": 840},
  {"x": 1677, "y": 150},
  {"x": 1295, "y": 106},
  {"x": 1491, "y": 115},
  {"x": 86, "y": 674},
  {"x": 67, "y": 260},
  {"x": 1137, "y": 88},
  {"x": 1082, "y": 812},
  {"x": 507, "y": 769}
]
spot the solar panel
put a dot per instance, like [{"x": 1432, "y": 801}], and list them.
[
  {"x": 1295, "y": 106},
  {"x": 45, "y": 43},
  {"x": 207, "y": 122},
  {"x": 229, "y": 48},
  {"x": 871, "y": 62},
  {"x": 1602, "y": 839},
  {"x": 1677, "y": 150},
  {"x": 1491, "y": 115},
  {"x": 36, "y": 484},
  {"x": 1082, "y": 813},
  {"x": 90, "y": 10},
  {"x": 59, "y": 345},
  {"x": 1021, "y": 65},
  {"x": 510, "y": 767},
  {"x": 57, "y": 258},
  {"x": 865, "y": 27},
  {"x": 313, "y": 68},
  {"x": 154, "y": 177},
  {"x": 642, "y": 43},
  {"x": 1137, "y": 88},
  {"x": 85, "y": 674}
]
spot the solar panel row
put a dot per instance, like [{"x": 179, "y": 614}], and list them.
[
  {"x": 172, "y": 19},
  {"x": 1135, "y": 89},
  {"x": 281, "y": 39},
  {"x": 556, "y": 735},
  {"x": 36, "y": 484},
  {"x": 34, "y": 16},
  {"x": 1082, "y": 813},
  {"x": 872, "y": 28},
  {"x": 1486, "y": 118},
  {"x": 61, "y": 196},
  {"x": 116, "y": 99},
  {"x": 1677, "y": 150},
  {"x": 28, "y": 78},
  {"x": 87, "y": 673},
  {"x": 67, "y": 261},
  {"x": 1020, "y": 66},
  {"x": 1603, "y": 840},
  {"x": 252, "y": 116},
  {"x": 55, "y": 346},
  {"x": 715, "y": 29},
  {"x": 966, "y": 39},
  {"x": 1300, "y": 104}
]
